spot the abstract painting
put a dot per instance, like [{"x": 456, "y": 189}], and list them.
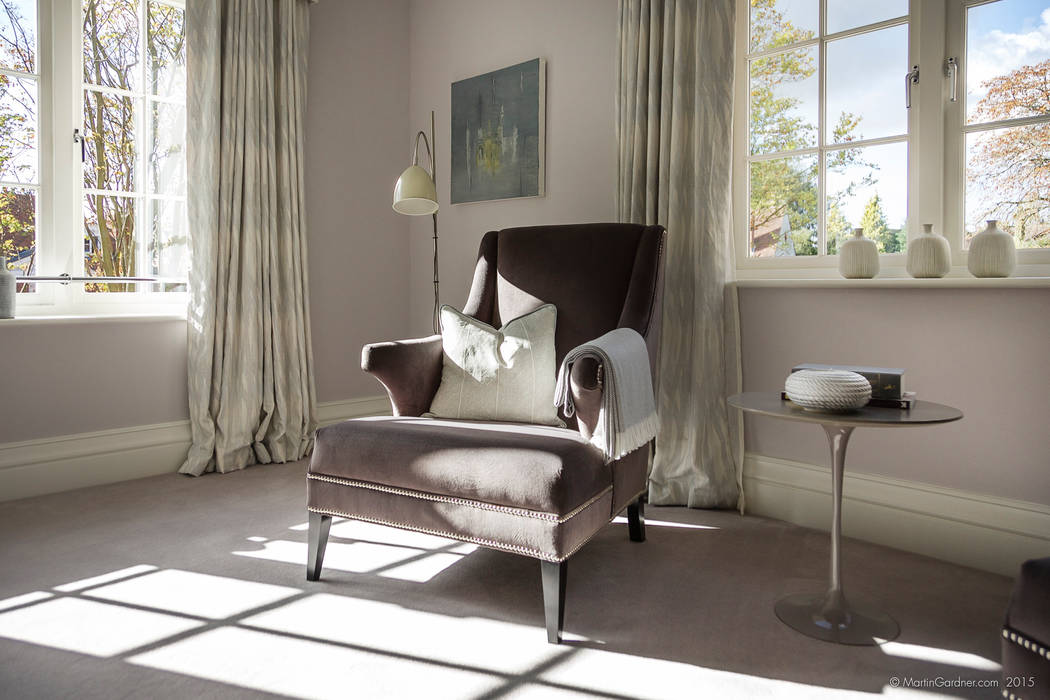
[{"x": 498, "y": 133}]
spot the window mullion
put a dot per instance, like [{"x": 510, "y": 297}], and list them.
[{"x": 821, "y": 127}]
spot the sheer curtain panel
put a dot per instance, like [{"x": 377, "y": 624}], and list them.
[
  {"x": 674, "y": 130},
  {"x": 251, "y": 385}
]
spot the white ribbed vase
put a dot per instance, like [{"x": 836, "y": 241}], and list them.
[
  {"x": 929, "y": 254},
  {"x": 858, "y": 257},
  {"x": 7, "y": 290},
  {"x": 992, "y": 253},
  {"x": 827, "y": 389}
]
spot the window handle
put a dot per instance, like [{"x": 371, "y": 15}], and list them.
[
  {"x": 79, "y": 138},
  {"x": 951, "y": 71},
  {"x": 910, "y": 78}
]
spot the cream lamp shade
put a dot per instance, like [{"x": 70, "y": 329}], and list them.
[{"x": 414, "y": 193}]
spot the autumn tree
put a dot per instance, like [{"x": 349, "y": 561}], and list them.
[
  {"x": 1013, "y": 165},
  {"x": 18, "y": 140}
]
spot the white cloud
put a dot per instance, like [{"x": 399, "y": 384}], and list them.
[{"x": 998, "y": 52}]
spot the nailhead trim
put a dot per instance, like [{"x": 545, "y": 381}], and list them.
[
  {"x": 422, "y": 495},
  {"x": 492, "y": 544},
  {"x": 1021, "y": 641}
]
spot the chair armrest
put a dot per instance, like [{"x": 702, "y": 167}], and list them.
[
  {"x": 585, "y": 383},
  {"x": 410, "y": 370}
]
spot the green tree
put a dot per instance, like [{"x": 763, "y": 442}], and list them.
[
  {"x": 839, "y": 228},
  {"x": 786, "y": 186},
  {"x": 875, "y": 227}
]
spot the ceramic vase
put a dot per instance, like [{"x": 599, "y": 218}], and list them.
[
  {"x": 992, "y": 253},
  {"x": 929, "y": 254},
  {"x": 858, "y": 257},
  {"x": 7, "y": 290}
]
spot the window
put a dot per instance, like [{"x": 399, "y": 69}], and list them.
[
  {"x": 839, "y": 131},
  {"x": 19, "y": 142},
  {"x": 92, "y": 160},
  {"x": 999, "y": 134}
]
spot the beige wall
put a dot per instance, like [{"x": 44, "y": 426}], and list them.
[
  {"x": 456, "y": 39},
  {"x": 984, "y": 351},
  {"x": 357, "y": 144},
  {"x": 86, "y": 376},
  {"x": 62, "y": 378}
]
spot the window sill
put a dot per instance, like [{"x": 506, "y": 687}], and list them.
[
  {"x": 900, "y": 283},
  {"x": 42, "y": 320}
]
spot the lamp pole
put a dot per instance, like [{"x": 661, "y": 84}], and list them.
[{"x": 433, "y": 176}]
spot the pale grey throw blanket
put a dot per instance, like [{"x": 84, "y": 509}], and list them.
[{"x": 627, "y": 417}]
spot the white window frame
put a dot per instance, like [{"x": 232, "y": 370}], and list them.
[
  {"x": 60, "y": 224},
  {"x": 936, "y": 187},
  {"x": 1033, "y": 262}
]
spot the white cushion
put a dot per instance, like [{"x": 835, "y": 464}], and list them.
[{"x": 506, "y": 374}]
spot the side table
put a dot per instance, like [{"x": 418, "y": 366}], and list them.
[{"x": 829, "y": 616}]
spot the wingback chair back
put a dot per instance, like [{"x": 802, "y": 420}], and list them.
[{"x": 598, "y": 276}]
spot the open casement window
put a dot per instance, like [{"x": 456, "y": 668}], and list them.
[
  {"x": 845, "y": 119},
  {"x": 95, "y": 187}
]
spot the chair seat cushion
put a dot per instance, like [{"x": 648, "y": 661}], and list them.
[{"x": 538, "y": 468}]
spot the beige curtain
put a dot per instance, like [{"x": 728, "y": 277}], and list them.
[
  {"x": 251, "y": 386},
  {"x": 674, "y": 127}
]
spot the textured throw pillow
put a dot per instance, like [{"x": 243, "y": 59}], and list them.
[{"x": 506, "y": 374}]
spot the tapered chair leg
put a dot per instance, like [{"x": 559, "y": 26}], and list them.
[
  {"x": 636, "y": 520},
  {"x": 554, "y": 597},
  {"x": 318, "y": 536}
]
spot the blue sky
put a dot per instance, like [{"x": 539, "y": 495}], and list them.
[{"x": 865, "y": 75}]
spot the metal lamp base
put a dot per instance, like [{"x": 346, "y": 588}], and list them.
[{"x": 829, "y": 617}]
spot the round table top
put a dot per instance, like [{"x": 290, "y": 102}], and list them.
[{"x": 769, "y": 403}]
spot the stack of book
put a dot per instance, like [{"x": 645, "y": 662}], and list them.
[{"x": 887, "y": 384}]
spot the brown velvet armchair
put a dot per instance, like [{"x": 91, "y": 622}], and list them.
[{"x": 535, "y": 490}]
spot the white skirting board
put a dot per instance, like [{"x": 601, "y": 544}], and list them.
[
  {"x": 985, "y": 532},
  {"x": 66, "y": 462}
]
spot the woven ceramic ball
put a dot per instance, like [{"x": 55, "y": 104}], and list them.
[{"x": 828, "y": 389}]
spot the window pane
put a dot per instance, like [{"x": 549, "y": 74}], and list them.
[
  {"x": 169, "y": 243},
  {"x": 782, "y": 216},
  {"x": 18, "y": 133},
  {"x": 1008, "y": 178},
  {"x": 167, "y": 160},
  {"x": 167, "y": 50},
  {"x": 109, "y": 240},
  {"x": 109, "y": 123},
  {"x": 847, "y": 14},
  {"x": 111, "y": 44},
  {"x": 871, "y": 106},
  {"x": 784, "y": 101},
  {"x": 18, "y": 232},
  {"x": 18, "y": 35},
  {"x": 1008, "y": 59},
  {"x": 868, "y": 187},
  {"x": 782, "y": 22}
]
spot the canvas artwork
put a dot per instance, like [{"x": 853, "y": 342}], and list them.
[{"x": 498, "y": 134}]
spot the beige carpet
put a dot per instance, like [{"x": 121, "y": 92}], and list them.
[{"x": 202, "y": 593}]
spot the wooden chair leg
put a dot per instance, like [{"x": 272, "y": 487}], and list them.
[
  {"x": 554, "y": 597},
  {"x": 636, "y": 520},
  {"x": 318, "y": 536}
]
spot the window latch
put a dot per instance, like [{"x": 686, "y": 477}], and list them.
[
  {"x": 951, "y": 71},
  {"x": 910, "y": 78},
  {"x": 79, "y": 138}
]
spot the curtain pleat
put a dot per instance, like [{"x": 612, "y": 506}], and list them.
[
  {"x": 251, "y": 387},
  {"x": 674, "y": 133}
]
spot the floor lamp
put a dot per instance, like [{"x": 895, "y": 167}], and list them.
[{"x": 415, "y": 194}]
